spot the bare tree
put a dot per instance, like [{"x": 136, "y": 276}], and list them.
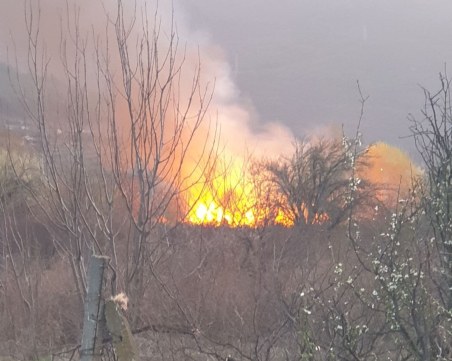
[
  {"x": 433, "y": 139},
  {"x": 125, "y": 146},
  {"x": 311, "y": 186}
]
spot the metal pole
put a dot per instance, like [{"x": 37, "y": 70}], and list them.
[{"x": 93, "y": 309}]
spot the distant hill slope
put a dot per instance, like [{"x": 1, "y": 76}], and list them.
[{"x": 11, "y": 111}]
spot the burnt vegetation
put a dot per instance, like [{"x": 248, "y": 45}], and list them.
[{"x": 349, "y": 278}]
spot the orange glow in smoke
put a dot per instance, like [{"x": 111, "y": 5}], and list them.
[
  {"x": 230, "y": 198},
  {"x": 391, "y": 170}
]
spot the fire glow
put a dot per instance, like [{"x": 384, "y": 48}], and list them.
[
  {"x": 392, "y": 171},
  {"x": 230, "y": 198},
  {"x": 225, "y": 197}
]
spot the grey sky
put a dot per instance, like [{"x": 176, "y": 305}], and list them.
[
  {"x": 298, "y": 61},
  {"x": 293, "y": 62}
]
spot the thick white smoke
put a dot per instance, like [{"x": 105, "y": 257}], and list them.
[{"x": 57, "y": 23}]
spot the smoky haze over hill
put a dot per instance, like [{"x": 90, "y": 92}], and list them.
[{"x": 296, "y": 63}]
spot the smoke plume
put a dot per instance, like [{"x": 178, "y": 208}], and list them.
[{"x": 59, "y": 21}]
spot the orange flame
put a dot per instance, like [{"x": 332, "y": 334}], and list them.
[
  {"x": 229, "y": 197},
  {"x": 226, "y": 197}
]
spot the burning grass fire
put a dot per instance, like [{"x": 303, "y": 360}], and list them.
[
  {"x": 206, "y": 211},
  {"x": 229, "y": 197},
  {"x": 237, "y": 206},
  {"x": 232, "y": 197}
]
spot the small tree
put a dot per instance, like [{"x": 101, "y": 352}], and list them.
[
  {"x": 311, "y": 186},
  {"x": 116, "y": 157},
  {"x": 433, "y": 138}
]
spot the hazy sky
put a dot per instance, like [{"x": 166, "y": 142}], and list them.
[
  {"x": 295, "y": 62},
  {"x": 298, "y": 61}
]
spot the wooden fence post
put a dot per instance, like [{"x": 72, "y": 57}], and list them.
[{"x": 93, "y": 310}]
